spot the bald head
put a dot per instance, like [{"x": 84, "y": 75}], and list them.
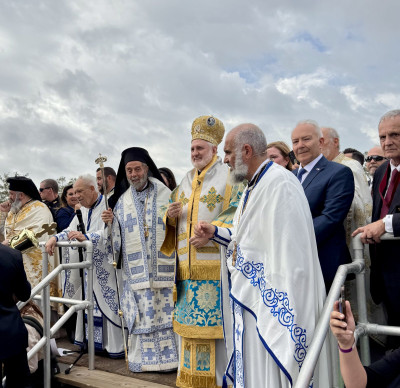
[
  {"x": 371, "y": 163},
  {"x": 249, "y": 134},
  {"x": 245, "y": 149}
]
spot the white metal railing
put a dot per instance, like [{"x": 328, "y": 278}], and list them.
[
  {"x": 363, "y": 328},
  {"x": 76, "y": 305}
]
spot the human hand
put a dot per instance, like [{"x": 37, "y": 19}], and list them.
[
  {"x": 204, "y": 230},
  {"x": 107, "y": 216},
  {"x": 5, "y": 206},
  {"x": 77, "y": 206},
  {"x": 174, "y": 209},
  {"x": 50, "y": 245},
  {"x": 77, "y": 236},
  {"x": 198, "y": 242},
  {"x": 371, "y": 233},
  {"x": 343, "y": 331}
]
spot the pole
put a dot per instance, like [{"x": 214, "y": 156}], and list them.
[{"x": 100, "y": 161}]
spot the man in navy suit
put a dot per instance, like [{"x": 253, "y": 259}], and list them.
[
  {"x": 329, "y": 188},
  {"x": 13, "y": 334},
  {"x": 385, "y": 255}
]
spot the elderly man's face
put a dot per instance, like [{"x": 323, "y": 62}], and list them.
[
  {"x": 136, "y": 173},
  {"x": 201, "y": 153},
  {"x": 306, "y": 145},
  {"x": 389, "y": 135},
  {"x": 85, "y": 193},
  {"x": 371, "y": 161}
]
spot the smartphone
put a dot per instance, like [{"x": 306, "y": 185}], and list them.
[
  {"x": 342, "y": 303},
  {"x": 293, "y": 158}
]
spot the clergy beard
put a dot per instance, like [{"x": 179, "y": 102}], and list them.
[
  {"x": 16, "y": 206},
  {"x": 239, "y": 173},
  {"x": 139, "y": 183}
]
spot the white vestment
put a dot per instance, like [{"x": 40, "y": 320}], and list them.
[
  {"x": 107, "y": 324},
  {"x": 272, "y": 285},
  {"x": 148, "y": 278}
]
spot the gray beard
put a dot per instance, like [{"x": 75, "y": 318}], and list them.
[
  {"x": 139, "y": 184},
  {"x": 16, "y": 206},
  {"x": 239, "y": 173}
]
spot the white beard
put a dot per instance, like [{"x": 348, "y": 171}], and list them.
[
  {"x": 239, "y": 173},
  {"x": 139, "y": 183}
]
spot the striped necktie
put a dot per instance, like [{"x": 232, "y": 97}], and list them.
[{"x": 300, "y": 173}]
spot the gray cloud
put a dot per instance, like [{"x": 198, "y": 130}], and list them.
[{"x": 82, "y": 77}]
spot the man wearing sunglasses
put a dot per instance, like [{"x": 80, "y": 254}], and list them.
[{"x": 373, "y": 160}]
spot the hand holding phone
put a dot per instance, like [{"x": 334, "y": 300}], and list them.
[{"x": 342, "y": 303}]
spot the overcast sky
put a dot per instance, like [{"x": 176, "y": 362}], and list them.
[{"x": 82, "y": 77}]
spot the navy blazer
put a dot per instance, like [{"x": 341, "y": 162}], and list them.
[
  {"x": 329, "y": 188},
  {"x": 385, "y": 256},
  {"x": 13, "y": 281}
]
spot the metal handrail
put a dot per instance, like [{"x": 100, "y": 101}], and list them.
[
  {"x": 363, "y": 327},
  {"x": 44, "y": 288}
]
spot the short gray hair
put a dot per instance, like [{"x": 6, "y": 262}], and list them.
[
  {"x": 332, "y": 133},
  {"x": 89, "y": 180},
  {"x": 389, "y": 115},
  {"x": 314, "y": 124},
  {"x": 254, "y": 137}
]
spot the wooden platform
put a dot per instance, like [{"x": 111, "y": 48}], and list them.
[{"x": 84, "y": 378}]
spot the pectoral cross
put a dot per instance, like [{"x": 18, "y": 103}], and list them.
[{"x": 146, "y": 230}]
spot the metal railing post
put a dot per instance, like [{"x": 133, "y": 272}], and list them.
[
  {"x": 363, "y": 328},
  {"x": 358, "y": 248},
  {"x": 46, "y": 321},
  {"x": 89, "y": 257}
]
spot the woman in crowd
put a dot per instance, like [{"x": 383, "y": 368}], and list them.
[
  {"x": 66, "y": 213},
  {"x": 168, "y": 177},
  {"x": 278, "y": 152},
  {"x": 384, "y": 373}
]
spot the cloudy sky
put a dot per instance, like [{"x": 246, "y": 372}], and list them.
[{"x": 82, "y": 77}]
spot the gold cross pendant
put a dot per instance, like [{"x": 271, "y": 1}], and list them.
[{"x": 146, "y": 231}]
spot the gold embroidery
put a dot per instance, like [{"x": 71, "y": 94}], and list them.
[
  {"x": 197, "y": 364},
  {"x": 182, "y": 199},
  {"x": 211, "y": 199}
]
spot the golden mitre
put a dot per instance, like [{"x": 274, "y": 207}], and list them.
[{"x": 208, "y": 128}]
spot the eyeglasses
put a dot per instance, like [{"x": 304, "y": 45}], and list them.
[
  {"x": 44, "y": 188},
  {"x": 377, "y": 158}
]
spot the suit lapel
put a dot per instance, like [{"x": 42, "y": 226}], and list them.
[
  {"x": 315, "y": 171},
  {"x": 378, "y": 176}
]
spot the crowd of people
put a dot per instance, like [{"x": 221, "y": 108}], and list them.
[{"x": 223, "y": 276}]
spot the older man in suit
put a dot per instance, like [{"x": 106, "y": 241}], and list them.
[
  {"x": 13, "y": 334},
  {"x": 329, "y": 188},
  {"x": 385, "y": 255}
]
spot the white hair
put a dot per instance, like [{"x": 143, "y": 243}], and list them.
[
  {"x": 389, "y": 115},
  {"x": 314, "y": 124},
  {"x": 89, "y": 180}
]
